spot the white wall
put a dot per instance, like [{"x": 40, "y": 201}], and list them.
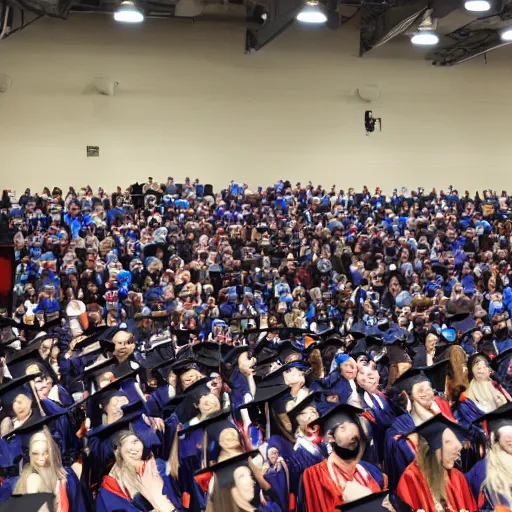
[{"x": 191, "y": 103}]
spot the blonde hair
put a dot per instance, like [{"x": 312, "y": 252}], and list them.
[
  {"x": 432, "y": 469},
  {"x": 498, "y": 480},
  {"x": 125, "y": 475},
  {"x": 485, "y": 395},
  {"x": 51, "y": 474}
]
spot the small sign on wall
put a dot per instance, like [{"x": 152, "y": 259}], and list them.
[{"x": 93, "y": 151}]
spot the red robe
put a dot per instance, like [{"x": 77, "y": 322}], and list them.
[
  {"x": 413, "y": 490},
  {"x": 323, "y": 494}
]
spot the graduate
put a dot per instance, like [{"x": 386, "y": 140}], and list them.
[
  {"x": 133, "y": 483},
  {"x": 432, "y": 482},
  {"x": 238, "y": 486},
  {"x": 491, "y": 478},
  {"x": 44, "y": 471},
  {"x": 342, "y": 477}
]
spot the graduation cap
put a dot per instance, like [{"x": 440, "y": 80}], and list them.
[
  {"x": 432, "y": 431},
  {"x": 505, "y": 356},
  {"x": 18, "y": 362},
  {"x": 439, "y": 269},
  {"x": 20, "y": 386},
  {"x": 97, "y": 401},
  {"x": 397, "y": 354},
  {"x": 463, "y": 323},
  {"x": 232, "y": 356},
  {"x": 408, "y": 379},
  {"x": 186, "y": 410},
  {"x": 288, "y": 348},
  {"x": 131, "y": 412},
  {"x": 336, "y": 416},
  {"x": 209, "y": 353},
  {"x": 34, "y": 424},
  {"x": 92, "y": 374},
  {"x": 370, "y": 503},
  {"x": 394, "y": 334},
  {"x": 182, "y": 336},
  {"x": 224, "y": 471},
  {"x": 29, "y": 502},
  {"x": 309, "y": 401},
  {"x": 276, "y": 377},
  {"x": 498, "y": 418},
  {"x": 437, "y": 374}
]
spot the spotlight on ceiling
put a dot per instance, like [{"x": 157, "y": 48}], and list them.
[
  {"x": 128, "y": 12},
  {"x": 507, "y": 35},
  {"x": 477, "y": 5},
  {"x": 312, "y": 13},
  {"x": 425, "y": 35}
]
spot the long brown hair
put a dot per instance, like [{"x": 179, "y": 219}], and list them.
[
  {"x": 49, "y": 475},
  {"x": 432, "y": 469}
]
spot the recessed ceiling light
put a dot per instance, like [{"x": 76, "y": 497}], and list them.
[
  {"x": 312, "y": 13},
  {"x": 425, "y": 38},
  {"x": 128, "y": 12},
  {"x": 477, "y": 5}
]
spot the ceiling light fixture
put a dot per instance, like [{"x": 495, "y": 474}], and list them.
[
  {"x": 507, "y": 35},
  {"x": 128, "y": 12},
  {"x": 312, "y": 13},
  {"x": 425, "y": 35},
  {"x": 477, "y": 5}
]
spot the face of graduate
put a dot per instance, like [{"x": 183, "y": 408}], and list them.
[
  {"x": 349, "y": 369},
  {"x": 450, "y": 451},
  {"x": 244, "y": 483},
  {"x": 216, "y": 386},
  {"x": 423, "y": 394},
  {"x": 39, "y": 453},
  {"x": 481, "y": 370},
  {"x": 189, "y": 377},
  {"x": 307, "y": 415},
  {"x": 347, "y": 435},
  {"x": 124, "y": 345},
  {"x": 368, "y": 379},
  {"x": 246, "y": 364},
  {"x": 208, "y": 404},
  {"x": 45, "y": 348},
  {"x": 113, "y": 408},
  {"x": 505, "y": 438},
  {"x": 22, "y": 406},
  {"x": 431, "y": 342},
  {"x": 43, "y": 386},
  {"x": 229, "y": 439},
  {"x": 131, "y": 450},
  {"x": 294, "y": 376}
]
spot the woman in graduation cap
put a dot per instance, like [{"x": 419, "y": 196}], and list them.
[
  {"x": 432, "y": 483},
  {"x": 198, "y": 403},
  {"x": 491, "y": 478},
  {"x": 482, "y": 390},
  {"x": 134, "y": 483},
  {"x": 414, "y": 395},
  {"x": 342, "y": 477},
  {"x": 238, "y": 486},
  {"x": 45, "y": 473},
  {"x": 308, "y": 448}
]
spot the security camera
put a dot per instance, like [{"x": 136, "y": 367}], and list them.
[{"x": 371, "y": 122}]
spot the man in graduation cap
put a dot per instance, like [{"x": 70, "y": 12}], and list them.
[
  {"x": 342, "y": 477},
  {"x": 432, "y": 483}
]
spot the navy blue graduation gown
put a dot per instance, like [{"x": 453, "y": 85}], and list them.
[
  {"x": 7, "y": 487},
  {"x": 384, "y": 418},
  {"x": 239, "y": 389},
  {"x": 334, "y": 384},
  {"x": 157, "y": 400},
  {"x": 398, "y": 453},
  {"x": 278, "y": 480},
  {"x": 77, "y": 502},
  {"x": 189, "y": 456}
]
